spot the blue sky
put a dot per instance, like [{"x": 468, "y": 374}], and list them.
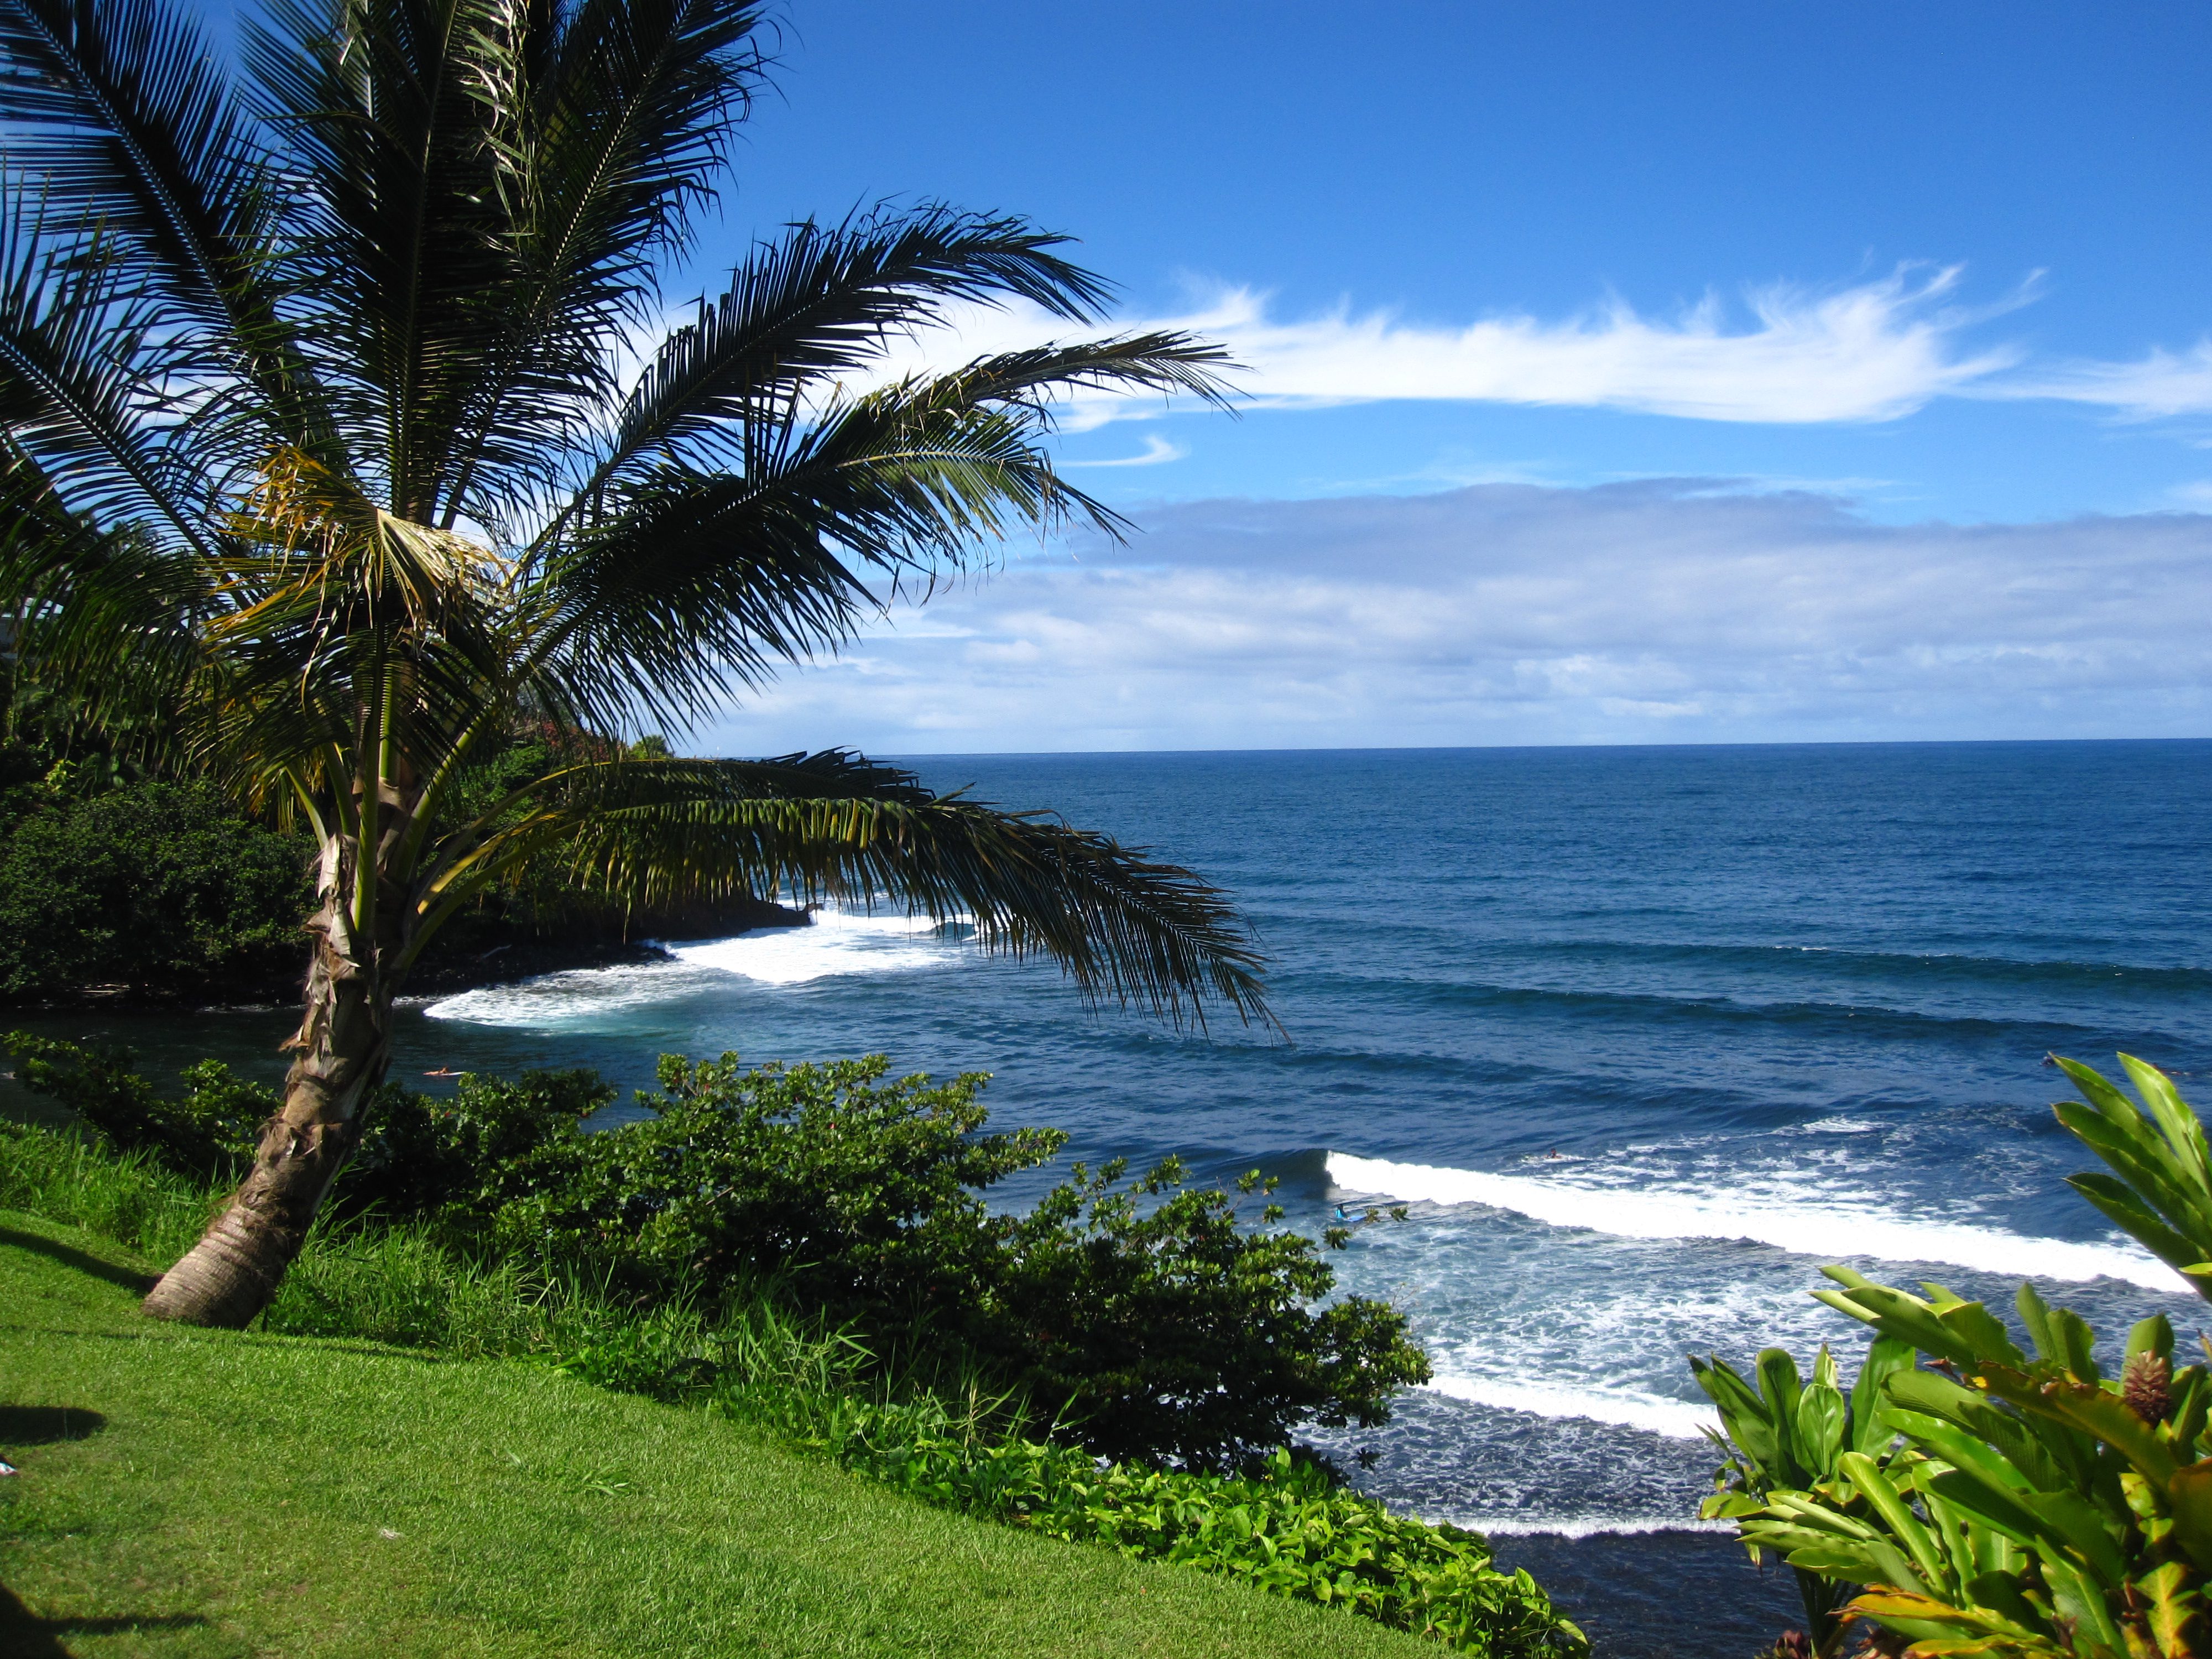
[
  {"x": 1622, "y": 373},
  {"x": 1619, "y": 373},
  {"x": 1444, "y": 164}
]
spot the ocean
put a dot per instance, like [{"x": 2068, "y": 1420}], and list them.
[{"x": 1641, "y": 1037}]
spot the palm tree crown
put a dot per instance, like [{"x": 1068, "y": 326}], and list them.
[{"x": 318, "y": 441}]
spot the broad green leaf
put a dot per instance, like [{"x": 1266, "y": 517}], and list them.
[
  {"x": 1819, "y": 1428},
  {"x": 1887, "y": 1357}
]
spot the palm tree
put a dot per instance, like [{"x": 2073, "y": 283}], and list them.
[{"x": 318, "y": 441}]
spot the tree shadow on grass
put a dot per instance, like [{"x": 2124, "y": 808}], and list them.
[
  {"x": 24, "y": 1635},
  {"x": 128, "y": 1279},
  {"x": 42, "y": 1425}
]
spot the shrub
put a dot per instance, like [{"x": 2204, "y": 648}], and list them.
[
  {"x": 456, "y": 1160},
  {"x": 1154, "y": 1328},
  {"x": 1157, "y": 1321},
  {"x": 207, "y": 1134},
  {"x": 158, "y": 886}
]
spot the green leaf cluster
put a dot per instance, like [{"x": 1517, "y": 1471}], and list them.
[
  {"x": 1787, "y": 1434},
  {"x": 155, "y": 886},
  {"x": 2000, "y": 1500}
]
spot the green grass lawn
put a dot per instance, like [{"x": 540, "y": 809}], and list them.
[{"x": 204, "y": 1493}]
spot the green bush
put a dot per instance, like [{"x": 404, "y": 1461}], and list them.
[
  {"x": 1153, "y": 1320},
  {"x": 209, "y": 1133},
  {"x": 457, "y": 1160},
  {"x": 159, "y": 887},
  {"x": 1160, "y": 1320}
]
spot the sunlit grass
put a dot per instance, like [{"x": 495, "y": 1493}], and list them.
[{"x": 252, "y": 1493}]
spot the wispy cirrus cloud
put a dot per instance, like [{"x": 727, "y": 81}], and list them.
[
  {"x": 1157, "y": 450},
  {"x": 2160, "y": 383},
  {"x": 1873, "y": 351}
]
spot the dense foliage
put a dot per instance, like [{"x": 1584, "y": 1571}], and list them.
[
  {"x": 151, "y": 885},
  {"x": 2008, "y": 1501},
  {"x": 1153, "y": 1320},
  {"x": 1789, "y": 1433}
]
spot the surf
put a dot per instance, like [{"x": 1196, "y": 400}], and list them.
[{"x": 1828, "y": 1231}]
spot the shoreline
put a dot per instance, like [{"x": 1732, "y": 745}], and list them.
[{"x": 508, "y": 961}]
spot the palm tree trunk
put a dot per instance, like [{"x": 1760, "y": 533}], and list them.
[{"x": 344, "y": 1046}]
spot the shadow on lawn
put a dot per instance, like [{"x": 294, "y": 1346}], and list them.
[
  {"x": 24, "y": 1635},
  {"x": 41, "y": 1425},
  {"x": 128, "y": 1279}
]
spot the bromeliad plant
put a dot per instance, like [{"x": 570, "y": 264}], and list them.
[
  {"x": 2032, "y": 1505},
  {"x": 318, "y": 458},
  {"x": 1788, "y": 1435}
]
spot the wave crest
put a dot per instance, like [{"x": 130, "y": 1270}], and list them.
[{"x": 1832, "y": 1232}]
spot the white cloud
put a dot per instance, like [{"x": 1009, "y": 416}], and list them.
[
  {"x": 1871, "y": 352},
  {"x": 2160, "y": 383},
  {"x": 1657, "y": 611},
  {"x": 1157, "y": 449}
]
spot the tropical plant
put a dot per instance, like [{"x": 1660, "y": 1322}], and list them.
[
  {"x": 2160, "y": 1190},
  {"x": 2032, "y": 1505},
  {"x": 1787, "y": 1434},
  {"x": 317, "y": 445},
  {"x": 2035, "y": 1506}
]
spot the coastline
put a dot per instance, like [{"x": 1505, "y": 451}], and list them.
[{"x": 474, "y": 955}]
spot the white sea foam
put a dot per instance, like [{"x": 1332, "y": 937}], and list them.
[
  {"x": 1678, "y": 1419},
  {"x": 1801, "y": 1225},
  {"x": 837, "y": 943},
  {"x": 565, "y": 999},
  {"x": 1582, "y": 1525}
]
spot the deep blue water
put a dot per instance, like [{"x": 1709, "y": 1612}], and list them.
[{"x": 1646, "y": 1035}]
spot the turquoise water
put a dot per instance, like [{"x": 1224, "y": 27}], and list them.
[{"x": 1643, "y": 1036}]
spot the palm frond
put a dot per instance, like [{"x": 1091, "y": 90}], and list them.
[
  {"x": 98, "y": 614},
  {"x": 836, "y": 827},
  {"x": 609, "y": 126},
  {"x": 821, "y": 303},
  {"x": 406, "y": 254},
  {"x": 121, "y": 110},
  {"x": 690, "y": 582},
  {"x": 75, "y": 392}
]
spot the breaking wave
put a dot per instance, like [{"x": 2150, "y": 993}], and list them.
[{"x": 1832, "y": 1232}]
